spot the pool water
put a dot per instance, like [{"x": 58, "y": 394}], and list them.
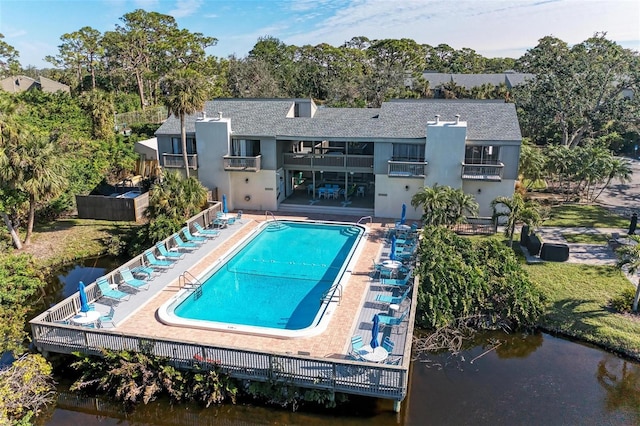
[{"x": 277, "y": 279}]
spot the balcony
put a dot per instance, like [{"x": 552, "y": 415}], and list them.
[
  {"x": 329, "y": 162},
  {"x": 236, "y": 163},
  {"x": 490, "y": 172},
  {"x": 417, "y": 169},
  {"x": 176, "y": 161}
]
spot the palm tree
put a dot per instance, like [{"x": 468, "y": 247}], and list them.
[
  {"x": 186, "y": 93},
  {"x": 444, "y": 205},
  {"x": 516, "y": 209},
  {"x": 629, "y": 256},
  {"x": 34, "y": 166},
  {"x": 619, "y": 168}
]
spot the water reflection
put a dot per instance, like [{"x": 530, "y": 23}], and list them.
[{"x": 528, "y": 379}]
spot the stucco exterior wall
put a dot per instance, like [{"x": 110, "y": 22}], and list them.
[
  {"x": 213, "y": 136},
  {"x": 445, "y": 153},
  {"x": 391, "y": 192},
  {"x": 488, "y": 192}
]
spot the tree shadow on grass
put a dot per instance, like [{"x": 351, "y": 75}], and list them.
[{"x": 569, "y": 315}]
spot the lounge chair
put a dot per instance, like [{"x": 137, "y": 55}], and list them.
[
  {"x": 166, "y": 254},
  {"x": 184, "y": 244},
  {"x": 379, "y": 271},
  {"x": 147, "y": 271},
  {"x": 109, "y": 293},
  {"x": 129, "y": 280},
  {"x": 391, "y": 300},
  {"x": 210, "y": 233},
  {"x": 387, "y": 320},
  {"x": 187, "y": 236},
  {"x": 155, "y": 262},
  {"x": 394, "y": 283},
  {"x": 388, "y": 344}
]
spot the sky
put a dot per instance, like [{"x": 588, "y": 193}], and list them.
[{"x": 493, "y": 28}]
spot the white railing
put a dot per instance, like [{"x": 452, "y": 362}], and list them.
[
  {"x": 338, "y": 375},
  {"x": 407, "y": 168},
  {"x": 177, "y": 161},
  {"x": 482, "y": 171},
  {"x": 235, "y": 162}
]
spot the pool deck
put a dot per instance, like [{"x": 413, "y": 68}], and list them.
[{"x": 352, "y": 316}]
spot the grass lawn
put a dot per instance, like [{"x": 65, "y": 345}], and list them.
[
  {"x": 66, "y": 240},
  {"x": 577, "y": 304},
  {"x": 569, "y": 215},
  {"x": 586, "y": 238}
]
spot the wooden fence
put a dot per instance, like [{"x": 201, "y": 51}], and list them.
[{"x": 112, "y": 208}]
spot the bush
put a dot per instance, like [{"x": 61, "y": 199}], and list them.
[
  {"x": 623, "y": 303},
  {"x": 482, "y": 279}
]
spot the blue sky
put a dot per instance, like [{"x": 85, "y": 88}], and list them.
[{"x": 492, "y": 28}]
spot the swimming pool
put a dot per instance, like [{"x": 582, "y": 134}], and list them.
[{"x": 278, "y": 281}]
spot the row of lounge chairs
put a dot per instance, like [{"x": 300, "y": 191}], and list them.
[{"x": 150, "y": 264}]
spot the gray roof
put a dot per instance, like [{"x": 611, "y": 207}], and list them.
[
  {"x": 436, "y": 79},
  {"x": 518, "y": 78},
  {"x": 406, "y": 119},
  {"x": 469, "y": 81}
]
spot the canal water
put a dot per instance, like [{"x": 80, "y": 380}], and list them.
[{"x": 521, "y": 380}]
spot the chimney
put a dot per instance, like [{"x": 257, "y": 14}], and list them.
[
  {"x": 219, "y": 115},
  {"x": 437, "y": 118},
  {"x": 457, "y": 118}
]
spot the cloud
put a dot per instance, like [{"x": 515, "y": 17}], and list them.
[
  {"x": 210, "y": 15},
  {"x": 185, "y": 8}
]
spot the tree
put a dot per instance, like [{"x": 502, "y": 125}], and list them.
[
  {"x": 186, "y": 93},
  {"x": 577, "y": 90},
  {"x": 80, "y": 50},
  {"x": 516, "y": 209},
  {"x": 532, "y": 163},
  {"x": 34, "y": 165},
  {"x": 444, "y": 205},
  {"x": 8, "y": 58},
  {"x": 629, "y": 258}
]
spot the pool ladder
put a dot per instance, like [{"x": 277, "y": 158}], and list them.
[
  {"x": 364, "y": 218},
  {"x": 188, "y": 281},
  {"x": 334, "y": 294},
  {"x": 267, "y": 213}
]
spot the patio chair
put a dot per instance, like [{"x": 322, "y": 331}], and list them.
[
  {"x": 107, "y": 318},
  {"x": 387, "y": 320},
  {"x": 210, "y": 233},
  {"x": 387, "y": 299},
  {"x": 129, "y": 280},
  {"x": 356, "y": 343},
  {"x": 155, "y": 262},
  {"x": 186, "y": 245},
  {"x": 147, "y": 271},
  {"x": 388, "y": 344},
  {"x": 379, "y": 271},
  {"x": 110, "y": 293},
  {"x": 166, "y": 254},
  {"x": 187, "y": 236},
  {"x": 397, "y": 283}
]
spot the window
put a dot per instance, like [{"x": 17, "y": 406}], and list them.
[
  {"x": 176, "y": 146},
  {"x": 245, "y": 147},
  {"x": 482, "y": 154},
  {"x": 408, "y": 152}
]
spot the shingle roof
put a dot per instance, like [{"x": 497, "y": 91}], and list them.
[
  {"x": 469, "y": 81},
  {"x": 486, "y": 120}
]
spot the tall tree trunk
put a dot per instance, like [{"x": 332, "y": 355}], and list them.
[
  {"x": 636, "y": 298},
  {"x": 32, "y": 216},
  {"x": 183, "y": 138},
  {"x": 14, "y": 235},
  {"x": 140, "y": 84}
]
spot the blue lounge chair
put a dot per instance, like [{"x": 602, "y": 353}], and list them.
[
  {"x": 387, "y": 320},
  {"x": 184, "y": 244},
  {"x": 394, "y": 283},
  {"x": 356, "y": 343},
  {"x": 166, "y": 254},
  {"x": 129, "y": 280},
  {"x": 388, "y": 344},
  {"x": 391, "y": 300},
  {"x": 155, "y": 262},
  {"x": 109, "y": 293},
  {"x": 211, "y": 233},
  {"x": 147, "y": 271},
  {"x": 107, "y": 318},
  {"x": 187, "y": 236}
]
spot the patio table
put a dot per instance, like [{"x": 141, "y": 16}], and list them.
[{"x": 378, "y": 354}]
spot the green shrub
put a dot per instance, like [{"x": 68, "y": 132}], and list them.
[
  {"x": 623, "y": 302},
  {"x": 473, "y": 278}
]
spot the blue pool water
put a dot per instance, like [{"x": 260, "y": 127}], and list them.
[{"x": 277, "y": 279}]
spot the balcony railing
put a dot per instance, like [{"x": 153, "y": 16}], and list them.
[
  {"x": 243, "y": 164},
  {"x": 177, "y": 161},
  {"x": 482, "y": 171},
  {"x": 407, "y": 168},
  {"x": 338, "y": 162}
]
